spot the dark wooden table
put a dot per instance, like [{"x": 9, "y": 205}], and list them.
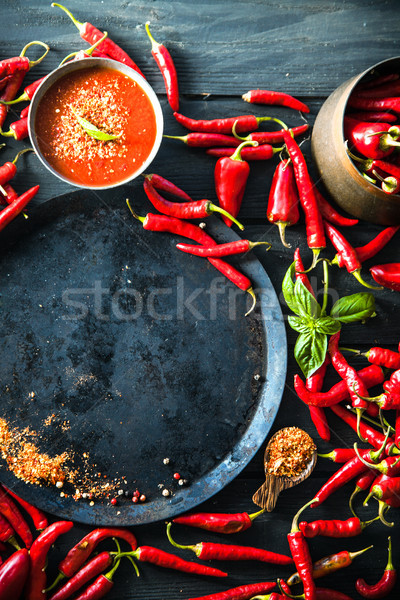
[{"x": 221, "y": 50}]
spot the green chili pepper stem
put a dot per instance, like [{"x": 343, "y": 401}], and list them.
[
  {"x": 326, "y": 288},
  {"x": 60, "y": 577},
  {"x": 354, "y": 555},
  {"x": 387, "y": 141},
  {"x": 252, "y": 294},
  {"x": 330, "y": 455},
  {"x": 253, "y": 244},
  {"x": 88, "y": 51},
  {"x": 182, "y": 138},
  {"x": 358, "y": 352},
  {"x": 370, "y": 420},
  {"x": 259, "y": 120},
  {"x": 389, "y": 566},
  {"x": 154, "y": 44},
  {"x": 237, "y": 154},
  {"x": 359, "y": 413},
  {"x": 368, "y": 178},
  {"x": 109, "y": 575},
  {"x": 141, "y": 219},
  {"x": 8, "y": 133},
  {"x": 383, "y": 507},
  {"x": 20, "y": 154},
  {"x": 295, "y": 526},
  {"x": 356, "y": 491},
  {"x": 33, "y": 63},
  {"x": 195, "y": 547},
  {"x": 366, "y": 163},
  {"x": 278, "y": 581},
  {"x": 210, "y": 208},
  {"x": 257, "y": 514},
  {"x": 357, "y": 275},
  {"x": 77, "y": 23}
]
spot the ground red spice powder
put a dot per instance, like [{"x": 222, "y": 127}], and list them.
[{"x": 290, "y": 452}]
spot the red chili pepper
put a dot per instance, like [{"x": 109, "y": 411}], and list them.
[
  {"x": 329, "y": 564},
  {"x": 377, "y": 81},
  {"x": 363, "y": 483},
  {"x": 373, "y": 140},
  {"x": 330, "y": 214},
  {"x": 28, "y": 92},
  {"x": 339, "y": 455},
  {"x": 328, "y": 594},
  {"x": 91, "y": 34},
  {"x": 274, "y": 137},
  {"x": 206, "y": 140},
  {"x": 100, "y": 586},
  {"x": 370, "y": 376},
  {"x": 314, "y": 223},
  {"x": 274, "y": 98},
  {"x": 166, "y": 65},
  {"x": 164, "y": 185},
  {"x": 230, "y": 175},
  {"x": 220, "y": 250},
  {"x": 390, "y": 88},
  {"x": 12, "y": 514},
  {"x": 387, "y": 275},
  {"x": 385, "y": 585},
  {"x": 389, "y": 184},
  {"x": 13, "y": 575},
  {"x": 301, "y": 555},
  {"x": 160, "y": 223},
  {"x": 348, "y": 254},
  {"x": 25, "y": 112},
  {"x": 38, "y": 517},
  {"x": 299, "y": 271},
  {"x": 211, "y": 551},
  {"x": 9, "y": 169},
  {"x": 376, "y": 244},
  {"x": 383, "y": 357},
  {"x": 244, "y": 123},
  {"x": 314, "y": 384},
  {"x": 219, "y": 522},
  {"x": 389, "y": 466},
  {"x": 283, "y": 200},
  {"x": 12, "y": 210},
  {"x": 18, "y": 129},
  {"x": 94, "y": 567},
  {"x": 36, "y": 584},
  {"x": 243, "y": 592},
  {"x": 397, "y": 428},
  {"x": 186, "y": 210},
  {"x": 374, "y": 104},
  {"x": 7, "y": 533},
  {"x": 384, "y": 487},
  {"x": 261, "y": 152},
  {"x": 333, "y": 528},
  {"x": 10, "y": 196},
  {"x": 384, "y": 117}
]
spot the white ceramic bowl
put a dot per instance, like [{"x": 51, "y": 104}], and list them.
[{"x": 75, "y": 66}]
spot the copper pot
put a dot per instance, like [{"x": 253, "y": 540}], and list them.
[{"x": 350, "y": 190}]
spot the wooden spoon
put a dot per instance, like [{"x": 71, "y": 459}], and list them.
[{"x": 267, "y": 495}]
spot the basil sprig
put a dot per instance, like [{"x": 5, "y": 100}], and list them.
[
  {"x": 93, "y": 131},
  {"x": 313, "y": 325}
]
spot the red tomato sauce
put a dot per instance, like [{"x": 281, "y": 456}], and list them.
[{"x": 113, "y": 103}]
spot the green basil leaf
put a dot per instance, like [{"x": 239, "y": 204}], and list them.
[
  {"x": 307, "y": 304},
  {"x": 310, "y": 351},
  {"x": 327, "y": 325},
  {"x": 288, "y": 289},
  {"x": 298, "y": 324},
  {"x": 93, "y": 131},
  {"x": 357, "y": 307}
]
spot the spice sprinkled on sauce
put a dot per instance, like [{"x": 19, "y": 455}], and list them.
[{"x": 290, "y": 452}]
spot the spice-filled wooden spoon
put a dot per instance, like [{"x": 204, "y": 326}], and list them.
[{"x": 289, "y": 458}]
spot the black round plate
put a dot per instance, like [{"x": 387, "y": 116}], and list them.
[{"x": 143, "y": 351}]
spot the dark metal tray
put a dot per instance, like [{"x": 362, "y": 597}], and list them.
[{"x": 143, "y": 350}]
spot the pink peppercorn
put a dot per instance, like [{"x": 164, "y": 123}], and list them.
[
  {"x": 113, "y": 501},
  {"x": 177, "y": 476}
]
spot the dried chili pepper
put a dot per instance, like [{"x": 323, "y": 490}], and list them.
[
  {"x": 334, "y": 527},
  {"x": 212, "y": 551},
  {"x": 301, "y": 555},
  {"x": 385, "y": 585},
  {"x": 27, "y": 93},
  {"x": 186, "y": 210},
  {"x": 12, "y": 210},
  {"x": 18, "y": 129},
  {"x": 38, "y": 553},
  {"x": 338, "y": 392},
  {"x": 91, "y": 34},
  {"x": 38, "y": 517},
  {"x": 228, "y": 249},
  {"x": 219, "y": 522},
  {"x": 329, "y": 564},
  {"x": 13, "y": 575},
  {"x": 387, "y": 275},
  {"x": 205, "y": 140},
  {"x": 173, "y": 225},
  {"x": 166, "y": 65},
  {"x": 274, "y": 98},
  {"x": 243, "y": 592},
  {"x": 164, "y": 185},
  {"x": 94, "y": 567},
  {"x": 283, "y": 199},
  {"x": 230, "y": 175},
  {"x": 373, "y": 140},
  {"x": 100, "y": 586},
  {"x": 9, "y": 169},
  {"x": 261, "y": 152},
  {"x": 12, "y": 514},
  {"x": 314, "y": 223},
  {"x": 244, "y": 123}
]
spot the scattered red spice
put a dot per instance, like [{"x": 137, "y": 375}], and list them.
[
  {"x": 290, "y": 452},
  {"x": 177, "y": 476}
]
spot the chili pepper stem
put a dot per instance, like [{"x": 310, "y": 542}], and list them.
[
  {"x": 358, "y": 352},
  {"x": 237, "y": 155},
  {"x": 360, "y": 412},
  {"x": 383, "y": 507},
  {"x": 64, "y": 60},
  {"x": 214, "y": 208},
  {"x": 282, "y": 229},
  {"x": 33, "y": 63},
  {"x": 370, "y": 420},
  {"x": 326, "y": 288},
  {"x": 60, "y": 577},
  {"x": 174, "y": 543},
  {"x": 254, "y": 244},
  {"x": 260, "y": 120},
  {"x": 77, "y": 23},
  {"x": 278, "y": 581},
  {"x": 354, "y": 555},
  {"x": 295, "y": 526},
  {"x": 154, "y": 44},
  {"x": 253, "y": 516},
  {"x": 141, "y": 219},
  {"x": 252, "y": 294},
  {"x": 357, "y": 275}
]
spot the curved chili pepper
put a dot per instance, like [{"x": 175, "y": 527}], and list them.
[
  {"x": 333, "y": 527},
  {"x": 373, "y": 140},
  {"x": 219, "y": 522},
  {"x": 274, "y": 98},
  {"x": 12, "y": 514},
  {"x": 9, "y": 169},
  {"x": 173, "y": 225},
  {"x": 27, "y": 93},
  {"x": 243, "y": 592},
  {"x": 363, "y": 483},
  {"x": 18, "y": 129},
  {"x": 36, "y": 584},
  {"x": 38, "y": 517},
  {"x": 339, "y": 392},
  {"x": 244, "y": 123},
  {"x": 371, "y": 248},
  {"x": 348, "y": 254},
  {"x": 205, "y": 140},
  {"x": 211, "y": 551},
  {"x": 13, "y": 574},
  {"x": 91, "y": 34},
  {"x": 100, "y": 586},
  {"x": 314, "y": 223},
  {"x": 274, "y": 137},
  {"x": 94, "y": 567},
  {"x": 12, "y": 210},
  {"x": 387, "y": 275},
  {"x": 301, "y": 554},
  {"x": 261, "y": 152},
  {"x": 166, "y": 65},
  {"x": 330, "y": 214},
  {"x": 329, "y": 564},
  {"x": 164, "y": 185},
  {"x": 186, "y": 210},
  {"x": 283, "y": 199},
  {"x": 228, "y": 249},
  {"x": 386, "y": 583},
  {"x": 384, "y": 117}
]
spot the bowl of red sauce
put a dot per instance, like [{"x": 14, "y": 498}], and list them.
[{"x": 95, "y": 123}]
